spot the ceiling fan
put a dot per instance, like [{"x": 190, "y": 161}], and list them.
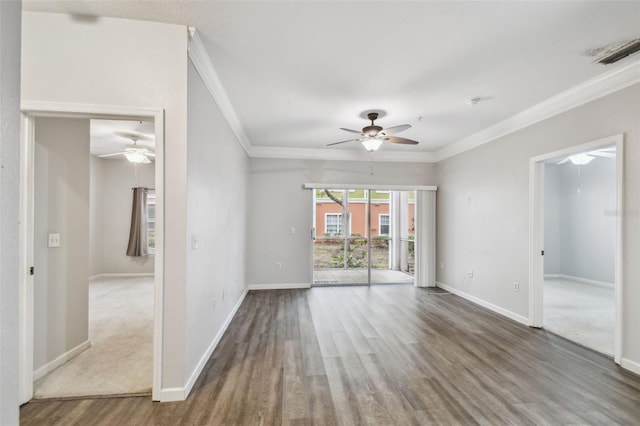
[
  {"x": 372, "y": 136},
  {"x": 583, "y": 158},
  {"x": 134, "y": 153}
]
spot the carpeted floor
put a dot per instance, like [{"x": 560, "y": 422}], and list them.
[
  {"x": 580, "y": 312},
  {"x": 120, "y": 358}
]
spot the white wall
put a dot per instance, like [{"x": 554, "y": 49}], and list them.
[
  {"x": 96, "y": 206},
  {"x": 584, "y": 243},
  {"x": 483, "y": 206},
  {"x": 217, "y": 208},
  {"x": 9, "y": 184},
  {"x": 278, "y": 202},
  {"x": 61, "y": 194},
  {"x": 111, "y": 198},
  {"x": 108, "y": 61}
]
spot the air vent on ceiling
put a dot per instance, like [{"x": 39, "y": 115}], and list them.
[{"x": 613, "y": 56}]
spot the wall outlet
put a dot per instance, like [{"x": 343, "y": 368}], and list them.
[
  {"x": 441, "y": 265},
  {"x": 471, "y": 273},
  {"x": 54, "y": 240},
  {"x": 293, "y": 230},
  {"x": 213, "y": 302},
  {"x": 278, "y": 266},
  {"x": 516, "y": 286}
]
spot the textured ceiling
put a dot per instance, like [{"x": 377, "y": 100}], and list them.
[{"x": 297, "y": 71}]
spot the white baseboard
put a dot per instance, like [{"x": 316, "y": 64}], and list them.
[
  {"x": 122, "y": 275},
  {"x": 485, "y": 304},
  {"x": 579, "y": 280},
  {"x": 49, "y": 367},
  {"x": 287, "y": 286},
  {"x": 630, "y": 365},
  {"x": 203, "y": 361},
  {"x": 172, "y": 394}
]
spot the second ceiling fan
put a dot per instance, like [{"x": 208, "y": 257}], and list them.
[{"x": 373, "y": 136}]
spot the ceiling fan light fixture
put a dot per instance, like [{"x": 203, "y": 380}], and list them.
[
  {"x": 581, "y": 159},
  {"x": 136, "y": 157},
  {"x": 371, "y": 144}
]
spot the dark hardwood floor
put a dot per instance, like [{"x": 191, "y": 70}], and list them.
[{"x": 384, "y": 355}]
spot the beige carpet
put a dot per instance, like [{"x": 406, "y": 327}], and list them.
[
  {"x": 580, "y": 312},
  {"x": 120, "y": 358}
]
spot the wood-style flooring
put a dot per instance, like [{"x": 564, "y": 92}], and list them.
[{"x": 384, "y": 355}]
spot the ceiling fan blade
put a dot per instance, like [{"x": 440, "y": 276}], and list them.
[
  {"x": 359, "y": 132},
  {"x": 395, "y": 139},
  {"x": 110, "y": 155},
  {"x": 150, "y": 154},
  {"x": 393, "y": 130},
  {"x": 336, "y": 143}
]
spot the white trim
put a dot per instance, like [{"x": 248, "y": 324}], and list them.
[
  {"x": 581, "y": 94},
  {"x": 497, "y": 309},
  {"x": 579, "y": 280},
  {"x": 536, "y": 233},
  {"x": 341, "y": 154},
  {"x": 287, "y": 286},
  {"x": 202, "y": 63},
  {"x": 340, "y": 223},
  {"x": 30, "y": 110},
  {"x": 122, "y": 275},
  {"x": 630, "y": 365},
  {"x": 214, "y": 343},
  {"x": 171, "y": 395},
  {"x": 370, "y": 186},
  {"x": 67, "y": 356}
]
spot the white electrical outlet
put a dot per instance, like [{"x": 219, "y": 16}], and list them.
[
  {"x": 471, "y": 273},
  {"x": 54, "y": 240},
  {"x": 278, "y": 266},
  {"x": 441, "y": 265},
  {"x": 516, "y": 286},
  {"x": 213, "y": 302},
  {"x": 293, "y": 229}
]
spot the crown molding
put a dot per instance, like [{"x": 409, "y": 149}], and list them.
[
  {"x": 340, "y": 155},
  {"x": 581, "y": 94},
  {"x": 201, "y": 61}
]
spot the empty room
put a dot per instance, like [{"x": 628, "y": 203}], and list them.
[{"x": 308, "y": 212}]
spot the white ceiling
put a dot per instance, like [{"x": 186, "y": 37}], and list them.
[{"x": 297, "y": 71}]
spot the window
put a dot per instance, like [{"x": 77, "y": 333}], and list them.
[
  {"x": 333, "y": 223},
  {"x": 383, "y": 224},
  {"x": 151, "y": 221}
]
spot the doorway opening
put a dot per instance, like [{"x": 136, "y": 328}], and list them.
[
  {"x": 49, "y": 339},
  {"x": 363, "y": 237},
  {"x": 93, "y": 323},
  {"x": 576, "y": 244}
]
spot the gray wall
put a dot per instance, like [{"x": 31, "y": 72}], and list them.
[
  {"x": 9, "y": 184},
  {"x": 61, "y": 193},
  {"x": 580, "y": 231},
  {"x": 278, "y": 202},
  {"x": 111, "y": 183},
  {"x": 216, "y": 213},
  {"x": 483, "y": 206}
]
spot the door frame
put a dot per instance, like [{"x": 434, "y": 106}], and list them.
[
  {"x": 29, "y": 112},
  {"x": 536, "y": 233}
]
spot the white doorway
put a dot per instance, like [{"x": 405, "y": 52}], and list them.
[
  {"x": 31, "y": 112},
  {"x": 575, "y": 244}
]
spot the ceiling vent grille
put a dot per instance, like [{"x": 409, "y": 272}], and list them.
[{"x": 622, "y": 52}]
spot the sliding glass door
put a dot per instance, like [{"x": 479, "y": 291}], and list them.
[{"x": 358, "y": 234}]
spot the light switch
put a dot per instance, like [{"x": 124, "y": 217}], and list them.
[{"x": 54, "y": 240}]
